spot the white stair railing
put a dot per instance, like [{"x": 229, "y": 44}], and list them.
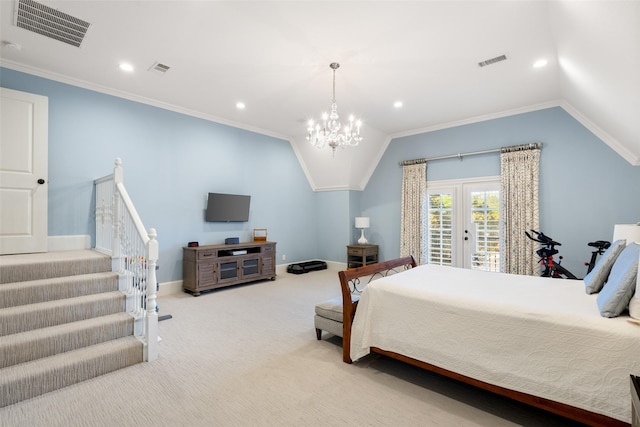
[{"x": 134, "y": 254}]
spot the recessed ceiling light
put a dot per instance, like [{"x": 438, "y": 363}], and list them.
[
  {"x": 240, "y": 105},
  {"x": 397, "y": 104},
  {"x": 540, "y": 63},
  {"x": 125, "y": 66}
]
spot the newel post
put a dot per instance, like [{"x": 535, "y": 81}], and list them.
[
  {"x": 116, "y": 213},
  {"x": 117, "y": 171},
  {"x": 151, "y": 318}
]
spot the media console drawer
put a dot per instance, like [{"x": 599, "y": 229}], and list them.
[
  {"x": 206, "y": 254},
  {"x": 214, "y": 266}
]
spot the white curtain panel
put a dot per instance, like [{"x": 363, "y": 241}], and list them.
[
  {"x": 413, "y": 216},
  {"x": 519, "y": 171}
]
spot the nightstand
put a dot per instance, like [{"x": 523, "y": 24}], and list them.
[{"x": 361, "y": 255}]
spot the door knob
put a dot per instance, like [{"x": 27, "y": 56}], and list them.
[{"x": 41, "y": 181}]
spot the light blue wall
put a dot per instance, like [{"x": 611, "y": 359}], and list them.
[
  {"x": 336, "y": 223},
  {"x": 585, "y": 187},
  {"x": 332, "y": 232},
  {"x": 170, "y": 161}
]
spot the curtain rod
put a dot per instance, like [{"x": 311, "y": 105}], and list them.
[{"x": 522, "y": 147}]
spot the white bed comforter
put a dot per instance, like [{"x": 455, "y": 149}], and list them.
[{"x": 540, "y": 336}]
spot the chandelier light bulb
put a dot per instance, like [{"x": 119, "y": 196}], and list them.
[{"x": 328, "y": 132}]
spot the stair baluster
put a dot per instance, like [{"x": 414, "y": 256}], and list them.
[{"x": 134, "y": 253}]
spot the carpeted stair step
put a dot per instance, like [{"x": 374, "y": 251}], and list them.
[
  {"x": 36, "y": 291},
  {"x": 45, "y": 342},
  {"x": 31, "y": 379},
  {"x": 23, "y": 318},
  {"x": 18, "y": 268}
]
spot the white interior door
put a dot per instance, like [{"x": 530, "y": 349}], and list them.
[{"x": 24, "y": 119}]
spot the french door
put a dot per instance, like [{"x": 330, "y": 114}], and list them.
[{"x": 463, "y": 226}]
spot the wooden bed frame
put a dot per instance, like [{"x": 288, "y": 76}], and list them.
[
  {"x": 351, "y": 278},
  {"x": 635, "y": 401}
]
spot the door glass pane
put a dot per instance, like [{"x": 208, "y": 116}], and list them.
[
  {"x": 250, "y": 266},
  {"x": 440, "y": 229},
  {"x": 485, "y": 218},
  {"x": 228, "y": 270}
]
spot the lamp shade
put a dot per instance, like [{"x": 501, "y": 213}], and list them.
[
  {"x": 630, "y": 232},
  {"x": 362, "y": 222}
]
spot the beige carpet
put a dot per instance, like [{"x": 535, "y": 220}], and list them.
[{"x": 247, "y": 356}]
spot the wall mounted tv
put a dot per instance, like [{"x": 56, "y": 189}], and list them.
[{"x": 227, "y": 208}]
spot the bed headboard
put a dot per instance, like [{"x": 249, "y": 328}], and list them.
[{"x": 350, "y": 279}]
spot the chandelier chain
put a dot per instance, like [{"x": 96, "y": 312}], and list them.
[{"x": 334, "y": 66}]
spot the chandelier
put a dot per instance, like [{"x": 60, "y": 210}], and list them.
[{"x": 331, "y": 132}]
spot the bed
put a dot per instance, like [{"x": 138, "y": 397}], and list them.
[{"x": 537, "y": 340}]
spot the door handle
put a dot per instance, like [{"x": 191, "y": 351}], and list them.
[{"x": 41, "y": 181}]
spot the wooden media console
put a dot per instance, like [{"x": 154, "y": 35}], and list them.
[{"x": 215, "y": 266}]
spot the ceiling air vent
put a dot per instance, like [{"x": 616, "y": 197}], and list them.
[
  {"x": 492, "y": 60},
  {"x": 49, "y": 22},
  {"x": 159, "y": 68}
]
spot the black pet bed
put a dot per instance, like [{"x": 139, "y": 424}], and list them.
[{"x": 305, "y": 267}]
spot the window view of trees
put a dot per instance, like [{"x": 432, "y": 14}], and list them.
[
  {"x": 485, "y": 215},
  {"x": 440, "y": 229}
]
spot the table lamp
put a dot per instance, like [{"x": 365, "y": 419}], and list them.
[{"x": 362, "y": 222}]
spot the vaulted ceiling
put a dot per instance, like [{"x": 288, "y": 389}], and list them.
[{"x": 274, "y": 57}]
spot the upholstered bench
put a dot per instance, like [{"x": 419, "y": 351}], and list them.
[{"x": 329, "y": 316}]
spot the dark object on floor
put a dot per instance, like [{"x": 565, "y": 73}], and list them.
[{"x": 305, "y": 267}]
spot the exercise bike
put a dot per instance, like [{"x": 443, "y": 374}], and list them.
[
  {"x": 554, "y": 269},
  {"x": 546, "y": 253},
  {"x": 600, "y": 246}
]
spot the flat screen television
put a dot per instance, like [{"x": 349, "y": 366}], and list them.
[{"x": 227, "y": 208}]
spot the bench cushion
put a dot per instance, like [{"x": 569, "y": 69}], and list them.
[{"x": 332, "y": 309}]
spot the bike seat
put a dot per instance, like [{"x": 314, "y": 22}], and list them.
[{"x": 601, "y": 244}]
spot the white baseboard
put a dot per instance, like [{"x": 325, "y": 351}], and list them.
[
  {"x": 170, "y": 288},
  {"x": 337, "y": 266},
  {"x": 69, "y": 243}
]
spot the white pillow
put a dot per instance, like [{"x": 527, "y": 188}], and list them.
[{"x": 594, "y": 281}]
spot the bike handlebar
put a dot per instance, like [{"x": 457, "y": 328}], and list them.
[{"x": 548, "y": 241}]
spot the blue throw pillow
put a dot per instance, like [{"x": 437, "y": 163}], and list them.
[
  {"x": 594, "y": 281},
  {"x": 617, "y": 292}
]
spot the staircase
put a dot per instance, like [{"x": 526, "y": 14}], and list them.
[{"x": 62, "y": 321}]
